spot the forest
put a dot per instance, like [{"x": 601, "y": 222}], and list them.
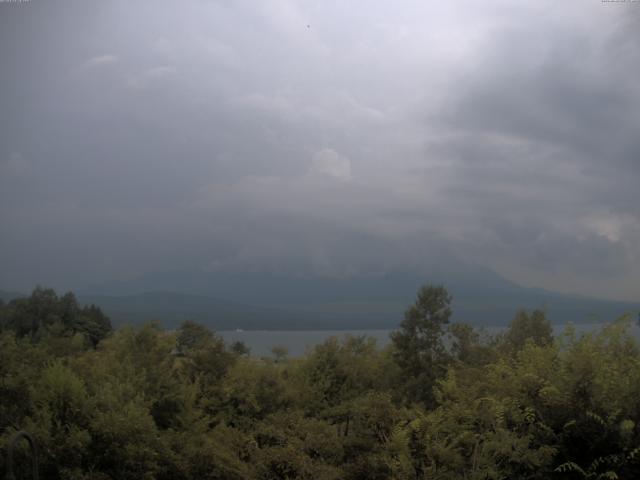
[{"x": 442, "y": 401}]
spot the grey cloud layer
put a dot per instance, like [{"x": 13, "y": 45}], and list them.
[{"x": 320, "y": 137}]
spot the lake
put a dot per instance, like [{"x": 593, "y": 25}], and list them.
[{"x": 299, "y": 341}]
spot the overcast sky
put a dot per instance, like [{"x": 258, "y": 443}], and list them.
[{"x": 321, "y": 137}]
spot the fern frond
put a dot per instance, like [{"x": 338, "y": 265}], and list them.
[
  {"x": 596, "y": 418},
  {"x": 571, "y": 467}
]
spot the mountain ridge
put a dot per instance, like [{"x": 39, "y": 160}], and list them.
[{"x": 263, "y": 301}]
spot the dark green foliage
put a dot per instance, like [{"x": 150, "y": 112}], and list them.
[
  {"x": 525, "y": 327},
  {"x": 193, "y": 336},
  {"x": 145, "y": 403},
  {"x": 419, "y": 347},
  {"x": 43, "y": 312},
  {"x": 240, "y": 348}
]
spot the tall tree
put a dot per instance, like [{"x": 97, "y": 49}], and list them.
[
  {"x": 419, "y": 347},
  {"x": 44, "y": 312},
  {"x": 525, "y": 326}
]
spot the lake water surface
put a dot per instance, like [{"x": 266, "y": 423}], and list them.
[{"x": 299, "y": 341}]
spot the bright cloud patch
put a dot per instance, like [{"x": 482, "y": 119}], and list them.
[
  {"x": 101, "y": 60},
  {"x": 330, "y": 163}
]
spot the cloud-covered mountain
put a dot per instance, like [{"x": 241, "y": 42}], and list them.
[
  {"x": 271, "y": 301},
  {"x": 320, "y": 139}
]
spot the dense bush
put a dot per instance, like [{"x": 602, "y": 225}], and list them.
[{"x": 144, "y": 403}]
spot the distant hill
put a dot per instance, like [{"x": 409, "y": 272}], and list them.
[
  {"x": 171, "y": 308},
  {"x": 272, "y": 302},
  {"x": 8, "y": 296},
  {"x": 258, "y": 301}
]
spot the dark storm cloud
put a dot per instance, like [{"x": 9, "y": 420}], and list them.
[
  {"x": 538, "y": 143},
  {"x": 145, "y": 137}
]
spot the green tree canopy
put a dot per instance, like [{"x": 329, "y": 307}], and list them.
[
  {"x": 526, "y": 326},
  {"x": 419, "y": 348},
  {"x": 44, "y": 310}
]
